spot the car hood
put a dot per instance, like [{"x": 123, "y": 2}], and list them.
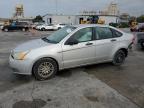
[{"x": 30, "y": 45}]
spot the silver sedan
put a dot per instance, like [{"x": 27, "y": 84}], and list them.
[{"x": 70, "y": 47}]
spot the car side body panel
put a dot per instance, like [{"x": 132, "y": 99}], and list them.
[{"x": 69, "y": 56}]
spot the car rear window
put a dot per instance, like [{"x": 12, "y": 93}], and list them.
[{"x": 103, "y": 33}]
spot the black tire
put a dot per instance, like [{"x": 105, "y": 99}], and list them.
[
  {"x": 142, "y": 44},
  {"x": 45, "y": 68},
  {"x": 119, "y": 58},
  {"x": 59, "y": 28},
  {"x": 43, "y": 29}
]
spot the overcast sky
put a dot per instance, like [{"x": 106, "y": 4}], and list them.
[{"x": 42, "y": 7}]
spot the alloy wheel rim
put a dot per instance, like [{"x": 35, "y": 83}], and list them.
[
  {"x": 6, "y": 30},
  {"x": 120, "y": 58},
  {"x": 45, "y": 69},
  {"x": 23, "y": 29}
]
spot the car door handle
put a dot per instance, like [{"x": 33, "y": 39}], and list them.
[
  {"x": 89, "y": 44},
  {"x": 113, "y": 40}
]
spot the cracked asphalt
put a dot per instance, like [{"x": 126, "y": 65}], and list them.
[{"x": 101, "y": 85}]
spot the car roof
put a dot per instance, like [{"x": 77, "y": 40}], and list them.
[
  {"x": 96, "y": 25},
  {"x": 90, "y": 25}
]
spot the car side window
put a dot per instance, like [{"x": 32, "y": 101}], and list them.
[
  {"x": 83, "y": 35},
  {"x": 103, "y": 33},
  {"x": 116, "y": 33},
  {"x": 18, "y": 24}
]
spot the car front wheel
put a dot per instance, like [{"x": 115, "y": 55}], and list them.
[
  {"x": 23, "y": 29},
  {"x": 119, "y": 58},
  {"x": 45, "y": 68},
  {"x": 6, "y": 30}
]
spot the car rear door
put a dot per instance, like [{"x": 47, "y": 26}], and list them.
[
  {"x": 104, "y": 43},
  {"x": 81, "y": 53}
]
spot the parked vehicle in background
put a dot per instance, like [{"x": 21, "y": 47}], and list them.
[
  {"x": 69, "y": 47},
  {"x": 37, "y": 27},
  {"x": 23, "y": 26},
  {"x": 139, "y": 41},
  {"x": 140, "y": 27},
  {"x": 44, "y": 27},
  {"x": 1, "y": 27},
  {"x": 48, "y": 27},
  {"x": 59, "y": 26},
  {"x": 114, "y": 24},
  {"x": 33, "y": 26}
]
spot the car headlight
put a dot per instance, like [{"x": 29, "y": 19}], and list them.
[{"x": 19, "y": 55}]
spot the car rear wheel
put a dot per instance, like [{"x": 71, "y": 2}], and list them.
[
  {"x": 6, "y": 30},
  {"x": 43, "y": 29},
  {"x": 119, "y": 58},
  {"x": 142, "y": 44},
  {"x": 23, "y": 29},
  {"x": 45, "y": 68}
]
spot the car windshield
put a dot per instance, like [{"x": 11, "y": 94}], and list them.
[{"x": 59, "y": 35}]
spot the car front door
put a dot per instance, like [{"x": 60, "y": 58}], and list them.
[
  {"x": 12, "y": 26},
  {"x": 82, "y": 52},
  {"x": 104, "y": 43}
]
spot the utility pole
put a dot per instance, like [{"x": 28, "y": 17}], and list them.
[{"x": 56, "y": 3}]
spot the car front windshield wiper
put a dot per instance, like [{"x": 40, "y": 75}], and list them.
[{"x": 47, "y": 40}]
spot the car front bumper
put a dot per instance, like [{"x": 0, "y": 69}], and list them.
[{"x": 20, "y": 66}]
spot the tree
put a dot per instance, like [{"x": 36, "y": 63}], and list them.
[
  {"x": 140, "y": 19},
  {"x": 38, "y": 19}
]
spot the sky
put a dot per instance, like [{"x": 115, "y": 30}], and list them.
[{"x": 42, "y": 7}]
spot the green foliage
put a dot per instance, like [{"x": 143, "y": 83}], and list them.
[
  {"x": 114, "y": 24},
  {"x": 38, "y": 19},
  {"x": 140, "y": 19},
  {"x": 120, "y": 25},
  {"x": 123, "y": 25}
]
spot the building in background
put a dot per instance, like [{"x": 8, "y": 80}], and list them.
[
  {"x": 19, "y": 14},
  {"x": 112, "y": 9},
  {"x": 77, "y": 19},
  {"x": 109, "y": 15},
  {"x": 57, "y": 19},
  {"x": 19, "y": 11},
  {"x": 124, "y": 18}
]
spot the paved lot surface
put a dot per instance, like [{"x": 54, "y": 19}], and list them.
[
  {"x": 127, "y": 79},
  {"x": 8, "y": 41},
  {"x": 75, "y": 88}
]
